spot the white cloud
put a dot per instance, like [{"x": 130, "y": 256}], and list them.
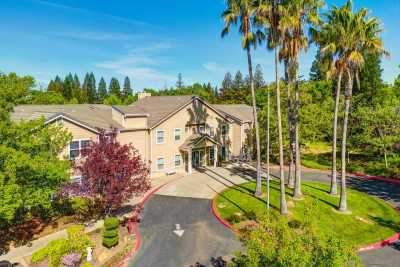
[
  {"x": 144, "y": 64},
  {"x": 95, "y": 36},
  {"x": 214, "y": 67}
]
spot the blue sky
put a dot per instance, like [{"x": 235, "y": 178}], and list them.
[{"x": 149, "y": 41}]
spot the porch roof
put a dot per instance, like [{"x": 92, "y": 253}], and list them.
[{"x": 197, "y": 141}]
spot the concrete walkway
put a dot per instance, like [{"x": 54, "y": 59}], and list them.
[{"x": 16, "y": 255}]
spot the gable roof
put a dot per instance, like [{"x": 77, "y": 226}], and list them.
[
  {"x": 239, "y": 111},
  {"x": 89, "y": 115}
]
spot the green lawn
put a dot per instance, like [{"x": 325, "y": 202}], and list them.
[{"x": 371, "y": 219}]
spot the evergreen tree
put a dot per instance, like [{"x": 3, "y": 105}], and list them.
[
  {"x": 76, "y": 89},
  {"x": 85, "y": 88},
  {"x": 319, "y": 68},
  {"x": 238, "y": 82},
  {"x": 56, "y": 85},
  {"x": 114, "y": 88},
  {"x": 258, "y": 77},
  {"x": 179, "y": 82},
  {"x": 370, "y": 76},
  {"x": 127, "y": 90},
  {"x": 67, "y": 87},
  {"x": 92, "y": 92},
  {"x": 227, "y": 82},
  {"x": 102, "y": 89}
]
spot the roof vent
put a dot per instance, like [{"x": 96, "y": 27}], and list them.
[{"x": 142, "y": 95}]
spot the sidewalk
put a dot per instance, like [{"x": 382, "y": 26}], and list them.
[{"x": 17, "y": 254}]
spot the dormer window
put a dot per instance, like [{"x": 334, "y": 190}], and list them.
[{"x": 202, "y": 129}]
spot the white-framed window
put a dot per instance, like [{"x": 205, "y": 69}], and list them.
[
  {"x": 177, "y": 134},
  {"x": 160, "y": 137},
  {"x": 211, "y": 131},
  {"x": 160, "y": 163},
  {"x": 202, "y": 129},
  {"x": 77, "y": 179},
  {"x": 177, "y": 160},
  {"x": 76, "y": 147}
]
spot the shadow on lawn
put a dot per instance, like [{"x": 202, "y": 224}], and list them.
[{"x": 386, "y": 223}]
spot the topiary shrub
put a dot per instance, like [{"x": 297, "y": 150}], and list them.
[{"x": 110, "y": 233}]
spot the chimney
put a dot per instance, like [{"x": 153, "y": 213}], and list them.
[{"x": 142, "y": 95}]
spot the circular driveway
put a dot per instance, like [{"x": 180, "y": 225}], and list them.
[{"x": 178, "y": 228}]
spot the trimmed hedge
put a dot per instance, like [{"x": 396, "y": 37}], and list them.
[
  {"x": 111, "y": 223},
  {"x": 110, "y": 234}
]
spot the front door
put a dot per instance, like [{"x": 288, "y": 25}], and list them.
[{"x": 196, "y": 159}]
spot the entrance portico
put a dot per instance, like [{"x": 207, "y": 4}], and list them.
[{"x": 200, "y": 150}]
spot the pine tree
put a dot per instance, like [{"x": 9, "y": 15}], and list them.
[
  {"x": 51, "y": 86},
  {"x": 85, "y": 88},
  {"x": 76, "y": 89},
  {"x": 319, "y": 68},
  {"x": 238, "y": 81},
  {"x": 258, "y": 77},
  {"x": 67, "y": 87},
  {"x": 227, "y": 85},
  {"x": 56, "y": 86},
  {"x": 114, "y": 88},
  {"x": 102, "y": 89},
  {"x": 179, "y": 82},
  {"x": 92, "y": 93},
  {"x": 127, "y": 90},
  {"x": 370, "y": 76}
]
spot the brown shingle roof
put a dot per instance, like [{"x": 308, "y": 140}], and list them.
[
  {"x": 157, "y": 107},
  {"x": 240, "y": 111},
  {"x": 97, "y": 116}
]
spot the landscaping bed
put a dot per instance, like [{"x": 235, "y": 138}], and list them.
[{"x": 371, "y": 219}]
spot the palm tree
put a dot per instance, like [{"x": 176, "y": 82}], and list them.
[
  {"x": 296, "y": 14},
  {"x": 268, "y": 17},
  {"x": 243, "y": 12},
  {"x": 344, "y": 37},
  {"x": 330, "y": 39}
]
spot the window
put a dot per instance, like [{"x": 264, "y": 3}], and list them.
[
  {"x": 211, "y": 131},
  {"x": 201, "y": 129},
  {"x": 76, "y": 147},
  {"x": 177, "y": 160},
  {"x": 224, "y": 129},
  {"x": 177, "y": 134},
  {"x": 77, "y": 179},
  {"x": 160, "y": 137},
  {"x": 212, "y": 155},
  {"x": 160, "y": 163}
]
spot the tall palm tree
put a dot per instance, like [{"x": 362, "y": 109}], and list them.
[
  {"x": 296, "y": 15},
  {"x": 350, "y": 35},
  {"x": 242, "y": 12},
  {"x": 268, "y": 17},
  {"x": 330, "y": 39}
]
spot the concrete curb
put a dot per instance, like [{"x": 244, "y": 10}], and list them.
[
  {"x": 218, "y": 217},
  {"x": 373, "y": 246},
  {"x": 125, "y": 261}
]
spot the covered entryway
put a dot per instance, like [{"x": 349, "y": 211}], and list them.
[{"x": 200, "y": 150}]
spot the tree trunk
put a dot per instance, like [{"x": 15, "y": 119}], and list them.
[
  {"x": 297, "y": 186},
  {"x": 268, "y": 145},
  {"x": 283, "y": 206},
  {"x": 289, "y": 117},
  {"x": 343, "y": 198},
  {"x": 333, "y": 190},
  {"x": 253, "y": 97}
]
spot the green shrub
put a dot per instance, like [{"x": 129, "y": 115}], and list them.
[
  {"x": 77, "y": 242},
  {"x": 111, "y": 223},
  {"x": 80, "y": 206},
  {"x": 234, "y": 218},
  {"x": 110, "y": 233},
  {"x": 110, "y": 242},
  {"x": 251, "y": 215},
  {"x": 86, "y": 264}
]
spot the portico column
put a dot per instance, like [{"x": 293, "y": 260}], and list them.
[
  {"x": 215, "y": 156},
  {"x": 189, "y": 161}
]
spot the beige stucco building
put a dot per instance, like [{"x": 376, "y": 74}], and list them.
[{"x": 172, "y": 133}]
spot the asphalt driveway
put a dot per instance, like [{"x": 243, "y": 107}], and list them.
[{"x": 184, "y": 207}]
